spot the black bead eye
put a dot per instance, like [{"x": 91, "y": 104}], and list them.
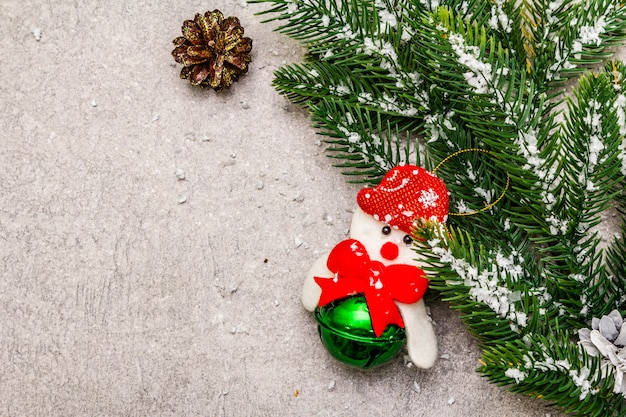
[
  {"x": 386, "y": 230},
  {"x": 407, "y": 239}
]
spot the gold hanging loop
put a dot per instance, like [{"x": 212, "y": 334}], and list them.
[{"x": 487, "y": 206}]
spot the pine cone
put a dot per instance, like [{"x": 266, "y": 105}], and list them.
[
  {"x": 607, "y": 338},
  {"x": 212, "y": 50}
]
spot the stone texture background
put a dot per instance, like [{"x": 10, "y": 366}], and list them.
[{"x": 116, "y": 299}]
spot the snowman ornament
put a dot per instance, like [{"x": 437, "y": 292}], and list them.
[{"x": 366, "y": 293}]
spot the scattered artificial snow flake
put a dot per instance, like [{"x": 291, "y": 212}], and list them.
[
  {"x": 407, "y": 34},
  {"x": 346, "y": 33},
  {"x": 352, "y": 137},
  {"x": 411, "y": 111},
  {"x": 528, "y": 148},
  {"x": 620, "y": 110},
  {"x": 292, "y": 7},
  {"x": 297, "y": 242},
  {"x": 37, "y": 34},
  {"x": 447, "y": 123},
  {"x": 331, "y": 385},
  {"x": 499, "y": 19},
  {"x": 480, "y": 74},
  {"x": 182, "y": 199},
  {"x": 416, "y": 387},
  {"x": 553, "y": 7},
  {"x": 556, "y": 225},
  {"x": 593, "y": 118},
  {"x": 406, "y": 360},
  {"x": 451, "y": 400},
  {"x": 548, "y": 199},
  {"x": 591, "y": 35},
  {"x": 180, "y": 174},
  {"x": 233, "y": 287},
  {"x": 430, "y": 4},
  {"x": 580, "y": 379},
  {"x": 387, "y": 18},
  {"x": 516, "y": 374},
  {"x": 461, "y": 207},
  {"x": 464, "y": 7},
  {"x": 591, "y": 187},
  {"x": 340, "y": 90},
  {"x": 595, "y": 148},
  {"x": 577, "y": 277},
  {"x": 365, "y": 98},
  {"x": 582, "y": 254},
  {"x": 94, "y": 103},
  {"x": 385, "y": 15},
  {"x": 470, "y": 172},
  {"x": 328, "y": 54},
  {"x": 485, "y": 194},
  {"x": 325, "y": 20},
  {"x": 434, "y": 242},
  {"x": 507, "y": 263},
  {"x": 521, "y": 319}
]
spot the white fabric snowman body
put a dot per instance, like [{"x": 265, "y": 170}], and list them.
[{"x": 380, "y": 242}]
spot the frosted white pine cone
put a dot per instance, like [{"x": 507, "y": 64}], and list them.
[{"x": 607, "y": 338}]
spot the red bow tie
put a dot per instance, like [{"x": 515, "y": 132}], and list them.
[{"x": 381, "y": 285}]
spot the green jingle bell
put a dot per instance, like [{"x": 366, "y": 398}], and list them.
[{"x": 345, "y": 328}]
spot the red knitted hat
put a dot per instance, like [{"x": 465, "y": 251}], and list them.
[{"x": 406, "y": 193}]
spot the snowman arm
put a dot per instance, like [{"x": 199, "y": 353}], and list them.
[
  {"x": 420, "y": 335},
  {"x": 310, "y": 290}
]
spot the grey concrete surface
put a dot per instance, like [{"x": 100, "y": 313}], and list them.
[{"x": 127, "y": 291}]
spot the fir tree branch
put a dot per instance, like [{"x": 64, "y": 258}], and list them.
[
  {"x": 550, "y": 368},
  {"x": 368, "y": 142},
  {"x": 570, "y": 248},
  {"x": 500, "y": 298},
  {"x": 563, "y": 50}
]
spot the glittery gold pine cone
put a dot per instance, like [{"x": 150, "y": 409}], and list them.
[{"x": 212, "y": 50}]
